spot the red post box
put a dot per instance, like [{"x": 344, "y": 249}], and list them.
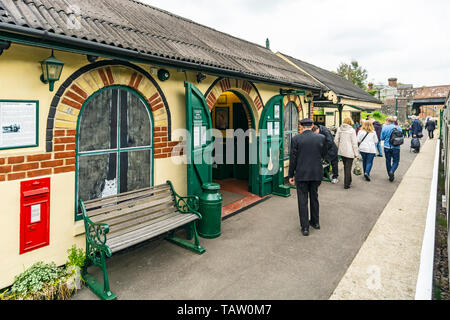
[{"x": 34, "y": 214}]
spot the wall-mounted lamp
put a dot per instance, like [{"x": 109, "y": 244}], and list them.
[
  {"x": 200, "y": 77},
  {"x": 163, "y": 74},
  {"x": 51, "y": 70}
]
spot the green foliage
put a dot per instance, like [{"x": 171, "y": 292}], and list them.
[
  {"x": 354, "y": 73},
  {"x": 35, "y": 278},
  {"x": 380, "y": 117},
  {"x": 372, "y": 92},
  {"x": 76, "y": 257}
]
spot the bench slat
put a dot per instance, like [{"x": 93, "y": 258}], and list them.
[
  {"x": 145, "y": 233},
  {"x": 104, "y": 213},
  {"x": 140, "y": 220},
  {"x": 125, "y": 196}
]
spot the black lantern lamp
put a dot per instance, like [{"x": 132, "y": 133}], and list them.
[{"x": 51, "y": 70}]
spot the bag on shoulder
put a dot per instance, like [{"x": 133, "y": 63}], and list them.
[{"x": 396, "y": 138}]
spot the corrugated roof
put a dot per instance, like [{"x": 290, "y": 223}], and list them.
[
  {"x": 136, "y": 26},
  {"x": 342, "y": 87}
]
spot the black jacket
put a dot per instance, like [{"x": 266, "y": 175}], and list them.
[
  {"x": 430, "y": 125},
  {"x": 332, "y": 149},
  {"x": 378, "y": 127},
  {"x": 307, "y": 151}
]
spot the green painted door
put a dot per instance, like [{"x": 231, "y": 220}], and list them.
[
  {"x": 199, "y": 140},
  {"x": 270, "y": 162}
]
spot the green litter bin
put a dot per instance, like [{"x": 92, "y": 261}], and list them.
[{"x": 211, "y": 211}]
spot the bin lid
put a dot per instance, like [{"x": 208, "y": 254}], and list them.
[{"x": 211, "y": 186}]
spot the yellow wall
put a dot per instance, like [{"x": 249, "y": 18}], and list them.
[{"x": 20, "y": 79}]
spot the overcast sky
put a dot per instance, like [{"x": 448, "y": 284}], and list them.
[{"x": 408, "y": 40}]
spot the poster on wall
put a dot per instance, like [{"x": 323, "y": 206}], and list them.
[{"x": 18, "y": 124}]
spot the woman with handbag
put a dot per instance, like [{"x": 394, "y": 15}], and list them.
[
  {"x": 346, "y": 142},
  {"x": 367, "y": 141}
]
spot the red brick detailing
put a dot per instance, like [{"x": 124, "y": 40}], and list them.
[
  {"x": 62, "y": 155},
  {"x": 70, "y": 161},
  {"x": 153, "y": 97},
  {"x": 71, "y": 103},
  {"x": 159, "y": 106},
  {"x": 41, "y": 172},
  {"x": 110, "y": 75},
  {"x": 52, "y": 163},
  {"x": 15, "y": 176},
  {"x": 71, "y": 146},
  {"x": 133, "y": 78},
  {"x": 2, "y": 161},
  {"x": 246, "y": 86},
  {"x": 103, "y": 76},
  {"x": 39, "y": 157},
  {"x": 225, "y": 84},
  {"x": 155, "y": 102},
  {"x": 59, "y": 147},
  {"x": 80, "y": 91},
  {"x": 5, "y": 169},
  {"x": 75, "y": 97},
  {"x": 2, "y": 177},
  {"x": 64, "y": 169},
  {"x": 138, "y": 81},
  {"x": 26, "y": 166},
  {"x": 59, "y": 133},
  {"x": 71, "y": 132},
  {"x": 13, "y": 160},
  {"x": 65, "y": 140},
  {"x": 258, "y": 102}
]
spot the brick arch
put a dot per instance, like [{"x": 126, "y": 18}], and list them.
[
  {"x": 68, "y": 101},
  {"x": 244, "y": 88}
]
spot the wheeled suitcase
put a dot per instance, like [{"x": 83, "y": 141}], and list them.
[{"x": 415, "y": 145}]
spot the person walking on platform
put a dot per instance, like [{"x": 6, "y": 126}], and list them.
[
  {"x": 367, "y": 140},
  {"x": 378, "y": 127},
  {"x": 430, "y": 126},
  {"x": 416, "y": 128},
  {"x": 392, "y": 153},
  {"x": 306, "y": 171},
  {"x": 346, "y": 142},
  {"x": 332, "y": 153}
]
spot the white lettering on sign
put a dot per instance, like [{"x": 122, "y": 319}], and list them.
[{"x": 35, "y": 213}]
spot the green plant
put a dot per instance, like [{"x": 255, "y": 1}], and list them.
[
  {"x": 76, "y": 257},
  {"x": 35, "y": 278}
]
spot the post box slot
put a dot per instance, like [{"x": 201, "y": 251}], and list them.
[{"x": 35, "y": 192}]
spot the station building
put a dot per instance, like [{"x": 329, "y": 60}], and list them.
[{"x": 95, "y": 97}]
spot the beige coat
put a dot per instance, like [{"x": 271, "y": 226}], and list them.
[{"x": 346, "y": 142}]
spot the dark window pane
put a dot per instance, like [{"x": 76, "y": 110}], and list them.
[
  {"x": 135, "y": 127},
  {"x": 135, "y": 170},
  {"x": 98, "y": 124},
  {"x": 97, "y": 176}
]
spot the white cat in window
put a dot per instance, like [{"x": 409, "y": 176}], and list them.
[{"x": 110, "y": 188}]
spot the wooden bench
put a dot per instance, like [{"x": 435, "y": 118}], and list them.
[{"x": 117, "y": 222}]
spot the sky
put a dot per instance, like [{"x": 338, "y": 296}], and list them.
[{"x": 408, "y": 40}]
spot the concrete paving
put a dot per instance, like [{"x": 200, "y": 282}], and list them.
[
  {"x": 261, "y": 253},
  {"x": 387, "y": 265}
]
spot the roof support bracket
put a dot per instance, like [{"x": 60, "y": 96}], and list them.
[
  {"x": 4, "y": 45},
  {"x": 285, "y": 92}
]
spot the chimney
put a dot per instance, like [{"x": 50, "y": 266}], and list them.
[
  {"x": 370, "y": 85},
  {"x": 393, "y": 82}
]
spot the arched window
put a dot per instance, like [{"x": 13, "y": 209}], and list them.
[
  {"x": 115, "y": 144},
  {"x": 290, "y": 126}
]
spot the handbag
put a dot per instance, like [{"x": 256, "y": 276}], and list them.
[{"x": 357, "y": 170}]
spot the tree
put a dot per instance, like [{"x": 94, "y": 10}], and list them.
[{"x": 354, "y": 73}]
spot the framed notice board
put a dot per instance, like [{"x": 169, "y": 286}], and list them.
[{"x": 19, "y": 124}]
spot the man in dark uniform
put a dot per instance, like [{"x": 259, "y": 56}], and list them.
[{"x": 305, "y": 169}]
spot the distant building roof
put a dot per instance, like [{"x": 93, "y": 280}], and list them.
[
  {"x": 342, "y": 87},
  {"x": 134, "y": 26}
]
